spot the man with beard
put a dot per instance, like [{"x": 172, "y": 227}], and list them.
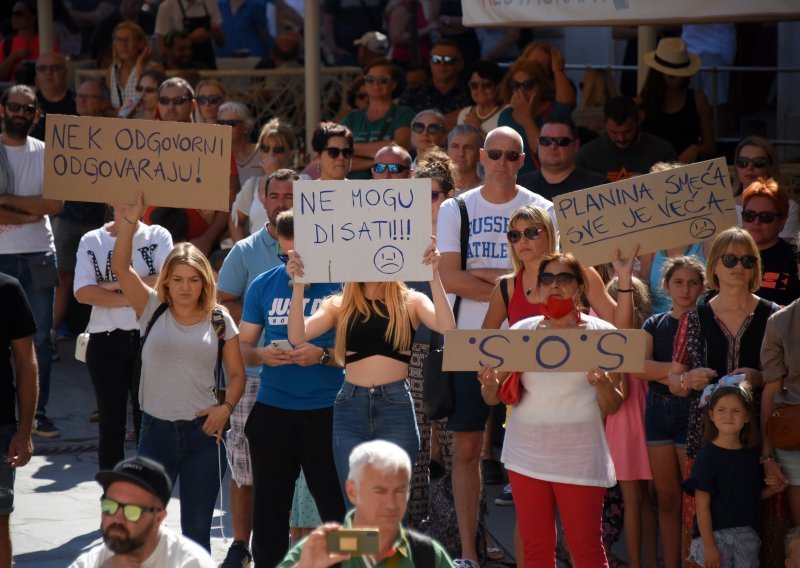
[
  {"x": 27, "y": 251},
  {"x": 134, "y": 506}
]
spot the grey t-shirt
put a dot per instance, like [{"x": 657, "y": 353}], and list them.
[{"x": 178, "y": 364}]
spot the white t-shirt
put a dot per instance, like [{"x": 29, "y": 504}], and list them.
[
  {"x": 178, "y": 363},
  {"x": 248, "y": 203},
  {"x": 556, "y": 432},
  {"x": 488, "y": 244},
  {"x": 170, "y": 17},
  {"x": 151, "y": 245},
  {"x": 173, "y": 551},
  {"x": 27, "y": 162}
]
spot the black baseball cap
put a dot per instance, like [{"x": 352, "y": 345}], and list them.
[{"x": 144, "y": 472}]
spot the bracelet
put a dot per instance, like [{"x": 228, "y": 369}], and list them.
[
  {"x": 768, "y": 458},
  {"x": 129, "y": 221},
  {"x": 228, "y": 405},
  {"x": 624, "y": 290}
]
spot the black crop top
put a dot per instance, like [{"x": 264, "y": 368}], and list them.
[{"x": 368, "y": 337}]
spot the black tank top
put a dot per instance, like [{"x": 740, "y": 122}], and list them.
[
  {"x": 681, "y": 129},
  {"x": 367, "y": 337}
]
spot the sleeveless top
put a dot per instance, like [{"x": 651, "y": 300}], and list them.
[
  {"x": 681, "y": 129},
  {"x": 519, "y": 307},
  {"x": 367, "y": 337},
  {"x": 122, "y": 94},
  {"x": 660, "y": 299}
]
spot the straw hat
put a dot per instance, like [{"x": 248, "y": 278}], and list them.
[{"x": 671, "y": 58}]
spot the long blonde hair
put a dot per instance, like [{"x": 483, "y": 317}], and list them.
[
  {"x": 353, "y": 305},
  {"x": 190, "y": 255}
]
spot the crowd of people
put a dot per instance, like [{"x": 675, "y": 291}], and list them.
[{"x": 197, "y": 328}]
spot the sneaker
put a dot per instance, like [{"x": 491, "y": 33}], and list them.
[
  {"x": 492, "y": 471},
  {"x": 465, "y": 563},
  {"x": 505, "y": 499},
  {"x": 238, "y": 556},
  {"x": 44, "y": 427}
]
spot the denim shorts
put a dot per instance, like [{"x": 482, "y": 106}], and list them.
[
  {"x": 666, "y": 419},
  {"x": 6, "y": 472},
  {"x": 470, "y": 412},
  {"x": 790, "y": 464}
]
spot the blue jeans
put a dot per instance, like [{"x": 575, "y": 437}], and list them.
[
  {"x": 193, "y": 458},
  {"x": 361, "y": 414},
  {"x": 41, "y": 302}
]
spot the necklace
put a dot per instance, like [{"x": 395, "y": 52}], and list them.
[{"x": 485, "y": 116}]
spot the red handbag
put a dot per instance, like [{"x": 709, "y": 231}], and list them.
[{"x": 511, "y": 390}]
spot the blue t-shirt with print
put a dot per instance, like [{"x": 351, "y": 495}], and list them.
[{"x": 291, "y": 386}]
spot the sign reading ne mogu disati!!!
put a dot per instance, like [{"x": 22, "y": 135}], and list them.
[
  {"x": 105, "y": 160},
  {"x": 656, "y": 211},
  {"x": 363, "y": 230},
  {"x": 553, "y": 350}
]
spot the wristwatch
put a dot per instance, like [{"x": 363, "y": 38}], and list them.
[{"x": 325, "y": 357}]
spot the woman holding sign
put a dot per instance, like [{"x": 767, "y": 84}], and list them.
[
  {"x": 555, "y": 446},
  {"x": 375, "y": 323}
]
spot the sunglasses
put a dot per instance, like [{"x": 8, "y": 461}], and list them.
[
  {"x": 284, "y": 258},
  {"x": 758, "y": 163},
  {"x": 531, "y": 233},
  {"x": 380, "y": 79},
  {"x": 274, "y": 149},
  {"x": 148, "y": 90},
  {"x": 174, "y": 101},
  {"x": 420, "y": 127},
  {"x": 131, "y": 512},
  {"x": 526, "y": 85},
  {"x": 562, "y": 278},
  {"x": 379, "y": 168},
  {"x": 482, "y": 85},
  {"x": 334, "y": 152},
  {"x": 446, "y": 59},
  {"x": 55, "y": 68},
  {"x": 765, "y": 217},
  {"x": 209, "y": 100},
  {"x": 562, "y": 141},
  {"x": 731, "y": 260},
  {"x": 233, "y": 123},
  {"x": 436, "y": 195},
  {"x": 16, "y": 107},
  {"x": 511, "y": 155}
]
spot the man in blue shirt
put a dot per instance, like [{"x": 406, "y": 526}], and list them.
[{"x": 291, "y": 424}]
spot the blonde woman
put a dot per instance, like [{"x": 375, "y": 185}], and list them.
[
  {"x": 130, "y": 55},
  {"x": 182, "y": 424},
  {"x": 375, "y": 323},
  {"x": 210, "y": 96}
]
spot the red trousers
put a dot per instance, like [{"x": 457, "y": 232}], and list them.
[{"x": 580, "y": 508}]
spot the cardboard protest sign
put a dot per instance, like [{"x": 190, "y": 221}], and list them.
[
  {"x": 363, "y": 230},
  {"x": 175, "y": 164},
  {"x": 613, "y": 350},
  {"x": 657, "y": 211}
]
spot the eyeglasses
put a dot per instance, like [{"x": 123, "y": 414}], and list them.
[
  {"x": 380, "y": 79},
  {"x": 446, "y": 59},
  {"x": 531, "y": 233},
  {"x": 131, "y": 512},
  {"x": 209, "y": 100},
  {"x": 731, "y": 260},
  {"x": 436, "y": 195},
  {"x": 334, "y": 152},
  {"x": 16, "y": 107},
  {"x": 562, "y": 278},
  {"x": 274, "y": 149},
  {"x": 765, "y": 217},
  {"x": 420, "y": 127},
  {"x": 562, "y": 141},
  {"x": 482, "y": 85},
  {"x": 148, "y": 90},
  {"x": 758, "y": 163},
  {"x": 233, "y": 123},
  {"x": 54, "y": 68},
  {"x": 379, "y": 168},
  {"x": 526, "y": 85},
  {"x": 284, "y": 258},
  {"x": 174, "y": 101},
  {"x": 511, "y": 155}
]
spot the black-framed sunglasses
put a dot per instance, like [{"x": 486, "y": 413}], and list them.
[
  {"x": 148, "y": 90},
  {"x": 379, "y": 168},
  {"x": 420, "y": 127},
  {"x": 562, "y": 278},
  {"x": 436, "y": 195},
  {"x": 531, "y": 233},
  {"x": 758, "y": 163},
  {"x": 284, "y": 258},
  {"x": 484, "y": 85},
  {"x": 130, "y": 511},
  {"x": 333, "y": 152},
  {"x": 234, "y": 122},
  {"x": 380, "y": 79},
  {"x": 731, "y": 260},
  {"x": 511, "y": 155},
  {"x": 54, "y": 68},
  {"x": 562, "y": 141},
  {"x": 766, "y": 217},
  {"x": 16, "y": 107},
  {"x": 209, "y": 100},
  {"x": 525, "y": 85},
  {"x": 174, "y": 101},
  {"x": 274, "y": 149},
  {"x": 446, "y": 59}
]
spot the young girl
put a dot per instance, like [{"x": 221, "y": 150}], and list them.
[{"x": 726, "y": 479}]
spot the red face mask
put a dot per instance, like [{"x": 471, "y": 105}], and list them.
[{"x": 556, "y": 308}]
